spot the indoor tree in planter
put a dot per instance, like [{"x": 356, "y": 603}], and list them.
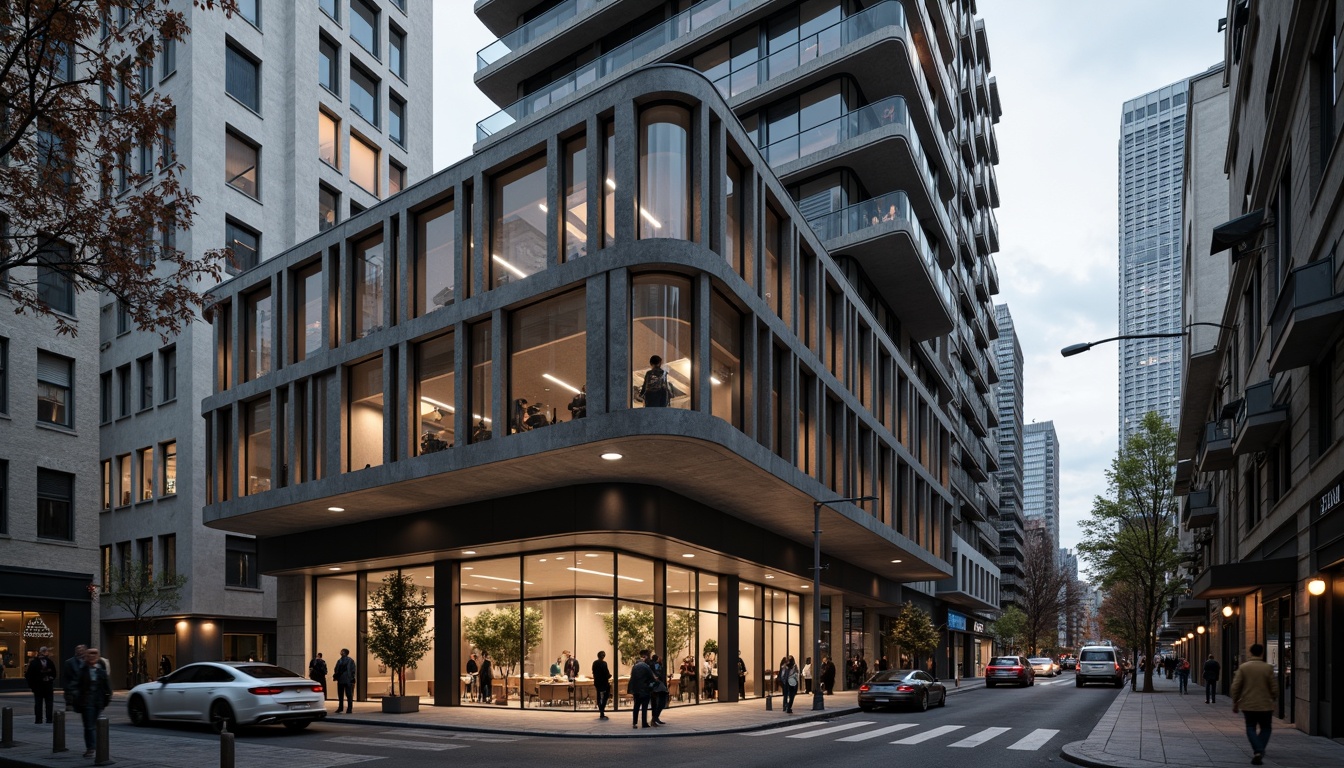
[
  {"x": 496, "y": 632},
  {"x": 399, "y": 634}
]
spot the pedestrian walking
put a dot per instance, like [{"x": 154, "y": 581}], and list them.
[
  {"x": 89, "y": 692},
  {"x": 70, "y": 674},
  {"x": 1212, "y": 669},
  {"x": 345, "y": 683},
  {"x": 41, "y": 675},
  {"x": 602, "y": 684},
  {"x": 658, "y": 700},
  {"x": 317, "y": 670},
  {"x": 640, "y": 688},
  {"x": 788, "y": 682},
  {"x": 1183, "y": 673},
  {"x": 807, "y": 674},
  {"x": 1255, "y": 691}
]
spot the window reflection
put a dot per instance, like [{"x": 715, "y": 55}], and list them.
[
  {"x": 482, "y": 382},
  {"x": 437, "y": 390},
  {"x": 518, "y": 223},
  {"x": 365, "y": 413},
  {"x": 368, "y": 260},
  {"x": 661, "y": 326},
  {"x": 725, "y": 361},
  {"x": 732, "y": 224},
  {"x": 665, "y": 172},
  {"x": 575, "y": 232},
  {"x": 435, "y": 258},
  {"x": 258, "y": 330},
  {"x": 609, "y": 186},
  {"x": 548, "y": 369},
  {"x": 257, "y": 447},
  {"x": 308, "y": 311}
]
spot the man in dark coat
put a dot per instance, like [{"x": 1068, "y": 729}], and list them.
[
  {"x": 41, "y": 675},
  {"x": 827, "y": 676},
  {"x": 487, "y": 678},
  {"x": 317, "y": 670},
  {"x": 640, "y": 688},
  {"x": 70, "y": 673},
  {"x": 345, "y": 682},
  {"x": 91, "y": 692},
  {"x": 473, "y": 669},
  {"x": 1212, "y": 669},
  {"x": 602, "y": 684}
]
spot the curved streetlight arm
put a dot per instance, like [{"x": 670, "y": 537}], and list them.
[
  {"x": 818, "y": 703},
  {"x": 1074, "y": 349}
]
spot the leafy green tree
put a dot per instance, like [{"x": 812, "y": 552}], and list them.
[
  {"x": 497, "y": 631},
  {"x": 1009, "y": 628},
  {"x": 145, "y": 598},
  {"x": 1131, "y": 537},
  {"x": 399, "y": 633},
  {"x": 680, "y": 633},
  {"x": 633, "y": 628},
  {"x": 913, "y": 631}
]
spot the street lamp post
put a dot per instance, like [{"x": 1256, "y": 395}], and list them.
[
  {"x": 819, "y": 703},
  {"x": 1074, "y": 349}
]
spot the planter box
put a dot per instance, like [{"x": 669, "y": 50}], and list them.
[{"x": 400, "y": 705}]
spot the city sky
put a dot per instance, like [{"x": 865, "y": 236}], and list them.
[{"x": 1063, "y": 68}]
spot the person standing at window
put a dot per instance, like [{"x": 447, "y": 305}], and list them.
[
  {"x": 657, "y": 390},
  {"x": 487, "y": 677},
  {"x": 345, "y": 683}
]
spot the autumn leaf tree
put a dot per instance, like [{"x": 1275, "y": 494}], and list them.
[
  {"x": 91, "y": 190},
  {"x": 1044, "y": 595}
]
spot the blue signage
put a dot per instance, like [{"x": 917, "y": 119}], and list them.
[{"x": 956, "y": 621}]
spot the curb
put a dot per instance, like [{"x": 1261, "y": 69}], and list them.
[{"x": 1077, "y": 753}]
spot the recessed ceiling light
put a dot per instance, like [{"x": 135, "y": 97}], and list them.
[
  {"x": 612, "y": 456},
  {"x": 768, "y": 576},
  {"x": 688, "y": 554},
  {"x": 803, "y": 586},
  {"x": 562, "y": 557},
  {"x": 429, "y": 577},
  {"x": 468, "y": 551},
  {"x": 334, "y": 568},
  {"x": 468, "y": 568},
  {"x": 592, "y": 554},
  {"x": 544, "y": 559},
  {"x": 895, "y": 561},
  {"x": 335, "y": 509}
]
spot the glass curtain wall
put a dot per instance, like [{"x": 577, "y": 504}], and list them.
[
  {"x": 518, "y": 223},
  {"x": 661, "y": 324},
  {"x": 257, "y": 446},
  {"x": 665, "y": 172},
  {"x": 436, "y": 389},
  {"x": 378, "y": 677},
  {"x": 548, "y": 365},
  {"x": 575, "y": 230},
  {"x": 365, "y": 413},
  {"x": 435, "y": 258},
  {"x": 725, "y": 360}
]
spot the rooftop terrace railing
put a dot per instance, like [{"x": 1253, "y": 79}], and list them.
[{"x": 534, "y": 29}]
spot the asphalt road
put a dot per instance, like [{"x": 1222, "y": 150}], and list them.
[{"x": 1005, "y": 727}]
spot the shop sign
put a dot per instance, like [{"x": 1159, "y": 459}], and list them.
[
  {"x": 980, "y": 627},
  {"x": 956, "y": 621},
  {"x": 1330, "y": 499},
  {"x": 38, "y": 628}
]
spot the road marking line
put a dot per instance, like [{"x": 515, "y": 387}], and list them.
[
  {"x": 1035, "y": 740},
  {"x": 878, "y": 732},
  {"x": 773, "y": 731},
  {"x": 832, "y": 729},
  {"x": 395, "y": 743},
  {"x": 981, "y": 737},
  {"x": 459, "y": 736},
  {"x": 933, "y": 734}
]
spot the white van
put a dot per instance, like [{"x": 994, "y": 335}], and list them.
[{"x": 1099, "y": 664}]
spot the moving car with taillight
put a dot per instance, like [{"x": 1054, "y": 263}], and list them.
[
  {"x": 906, "y": 687},
  {"x": 1099, "y": 664},
  {"x": 1009, "y": 670},
  {"x": 228, "y": 694}
]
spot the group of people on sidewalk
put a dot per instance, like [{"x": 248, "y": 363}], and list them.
[
  {"x": 345, "y": 679},
  {"x": 1255, "y": 691},
  {"x": 84, "y": 681}
]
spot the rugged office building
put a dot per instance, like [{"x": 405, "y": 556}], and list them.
[
  {"x": 1265, "y": 469},
  {"x": 1040, "y": 479},
  {"x": 790, "y": 205},
  {"x": 1152, "y": 134},
  {"x": 1008, "y": 395},
  {"x": 290, "y": 117}
]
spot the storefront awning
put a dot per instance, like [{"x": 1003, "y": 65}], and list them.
[
  {"x": 1237, "y": 579},
  {"x": 1235, "y": 233},
  {"x": 1187, "y": 609}
]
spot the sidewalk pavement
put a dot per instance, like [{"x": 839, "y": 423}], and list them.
[
  {"x": 1148, "y": 730},
  {"x": 164, "y": 748}
]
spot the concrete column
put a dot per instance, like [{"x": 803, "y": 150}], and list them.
[
  {"x": 461, "y": 375},
  {"x": 837, "y": 647},
  {"x": 702, "y": 399},
  {"x": 555, "y": 200},
  {"x": 729, "y": 640},
  {"x": 449, "y": 657},
  {"x": 618, "y": 341},
  {"x": 595, "y": 346}
]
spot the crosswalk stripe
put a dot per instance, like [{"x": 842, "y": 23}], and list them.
[
  {"x": 832, "y": 729},
  {"x": 1035, "y": 740},
  {"x": 878, "y": 732},
  {"x": 981, "y": 737},
  {"x": 933, "y": 734},
  {"x": 773, "y": 731},
  {"x": 395, "y": 743},
  {"x": 498, "y": 738}
]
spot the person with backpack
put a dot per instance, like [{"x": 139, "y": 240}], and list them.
[{"x": 657, "y": 390}]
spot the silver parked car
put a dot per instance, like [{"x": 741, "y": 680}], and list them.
[
  {"x": 1099, "y": 664},
  {"x": 228, "y": 694},
  {"x": 913, "y": 687}
]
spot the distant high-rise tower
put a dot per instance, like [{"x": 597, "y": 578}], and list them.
[
  {"x": 1008, "y": 402},
  {"x": 1152, "y": 146},
  {"x": 1040, "y": 478}
]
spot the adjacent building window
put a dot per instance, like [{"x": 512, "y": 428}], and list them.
[
  {"x": 54, "y": 394},
  {"x": 725, "y": 361},
  {"x": 518, "y": 223},
  {"x": 396, "y": 119},
  {"x": 1322, "y": 405},
  {"x": 396, "y": 177},
  {"x": 331, "y": 8},
  {"x": 4, "y": 496},
  {"x": 328, "y": 207},
  {"x": 244, "y": 244},
  {"x": 240, "y": 163},
  {"x": 364, "y": 25},
  {"x": 365, "y": 412},
  {"x": 145, "y": 485},
  {"x": 661, "y": 324},
  {"x": 251, "y": 11},
  {"x": 167, "y": 58},
  {"x": 168, "y": 468},
  {"x": 574, "y": 234},
  {"x": 105, "y": 397},
  {"x": 123, "y": 318},
  {"x": 242, "y": 78},
  {"x": 328, "y": 65},
  {"x": 124, "y": 480},
  {"x": 363, "y": 166},
  {"x": 369, "y": 264},
  {"x": 106, "y": 465},
  {"x": 257, "y": 446},
  {"x": 168, "y": 368},
  {"x": 240, "y": 562},
  {"x": 396, "y": 52},
  {"x": 363, "y": 94},
  {"x": 548, "y": 369},
  {"x": 308, "y": 313},
  {"x": 482, "y": 382},
  {"x": 54, "y": 287},
  {"x": 435, "y": 258},
  {"x": 328, "y": 139},
  {"x": 258, "y": 331},
  {"x": 124, "y": 391},
  {"x": 146, "y": 371},
  {"x": 55, "y": 505},
  {"x": 436, "y": 390},
  {"x": 665, "y": 172},
  {"x": 4, "y": 373},
  {"x": 168, "y": 553}
]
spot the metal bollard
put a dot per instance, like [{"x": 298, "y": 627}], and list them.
[
  {"x": 7, "y": 727},
  {"x": 58, "y": 732},
  {"x": 769, "y": 702},
  {"x": 226, "y": 750},
  {"x": 100, "y": 751}
]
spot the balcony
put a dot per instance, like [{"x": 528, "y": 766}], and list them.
[
  {"x": 535, "y": 29},
  {"x": 1216, "y": 452},
  {"x": 968, "y": 586},
  {"x": 1260, "y": 419},
  {"x": 973, "y": 499},
  {"x": 1307, "y": 316},
  {"x": 888, "y": 242},
  {"x": 1199, "y": 510}
]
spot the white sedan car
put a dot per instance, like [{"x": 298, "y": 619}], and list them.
[
  {"x": 228, "y": 694},
  {"x": 1044, "y": 666}
]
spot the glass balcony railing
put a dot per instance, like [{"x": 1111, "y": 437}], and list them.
[
  {"x": 889, "y": 111},
  {"x": 678, "y": 26},
  {"x": 893, "y": 207},
  {"x": 532, "y": 30},
  {"x": 750, "y": 74}
]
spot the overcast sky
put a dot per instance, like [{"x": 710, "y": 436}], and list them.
[{"x": 1064, "y": 68}]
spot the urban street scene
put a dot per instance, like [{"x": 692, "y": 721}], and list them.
[{"x": 833, "y": 390}]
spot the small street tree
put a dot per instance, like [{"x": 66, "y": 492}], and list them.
[
  {"x": 1009, "y": 628},
  {"x": 1121, "y": 618},
  {"x": 93, "y": 192},
  {"x": 913, "y": 631},
  {"x": 145, "y": 598},
  {"x": 399, "y": 634},
  {"x": 1131, "y": 537},
  {"x": 1043, "y": 594}
]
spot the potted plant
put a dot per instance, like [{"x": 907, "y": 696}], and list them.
[{"x": 399, "y": 635}]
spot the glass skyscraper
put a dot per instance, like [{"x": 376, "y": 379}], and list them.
[{"x": 1152, "y": 146}]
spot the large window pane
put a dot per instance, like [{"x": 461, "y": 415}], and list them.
[
  {"x": 725, "y": 360},
  {"x": 437, "y": 390},
  {"x": 328, "y": 207},
  {"x": 145, "y": 462},
  {"x": 258, "y": 332},
  {"x": 575, "y": 232},
  {"x": 661, "y": 325},
  {"x": 396, "y": 52},
  {"x": 548, "y": 369},
  {"x": 369, "y": 261},
  {"x": 328, "y": 139},
  {"x": 435, "y": 258},
  {"x": 242, "y": 78},
  {"x": 363, "y": 94},
  {"x": 257, "y": 447},
  {"x": 124, "y": 479},
  {"x": 55, "y": 375},
  {"x": 775, "y": 284},
  {"x": 55, "y": 505},
  {"x": 308, "y": 313},
  {"x": 482, "y": 382},
  {"x": 366, "y": 415},
  {"x": 243, "y": 244},
  {"x": 732, "y": 224},
  {"x": 665, "y": 172},
  {"x": 518, "y": 223},
  {"x": 396, "y": 120},
  {"x": 328, "y": 67},
  {"x": 54, "y": 287},
  {"x": 609, "y": 186},
  {"x": 168, "y": 470},
  {"x": 363, "y": 165},
  {"x": 364, "y": 25}
]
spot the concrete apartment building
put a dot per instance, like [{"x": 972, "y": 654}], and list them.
[
  {"x": 1152, "y": 133},
  {"x": 1263, "y": 472},
  {"x": 290, "y": 117},
  {"x": 1040, "y": 480},
  {"x": 791, "y": 204},
  {"x": 1008, "y": 395}
]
